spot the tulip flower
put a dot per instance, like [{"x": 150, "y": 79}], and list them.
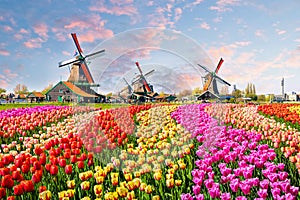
[
  {"x": 85, "y": 185},
  {"x": 98, "y": 190}
]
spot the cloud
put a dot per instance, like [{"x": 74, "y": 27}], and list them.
[
  {"x": 21, "y": 33},
  {"x": 150, "y": 3},
  {"x": 4, "y": 52},
  {"x": 121, "y": 8},
  {"x": 178, "y": 13},
  {"x": 259, "y": 33},
  {"x": 7, "y": 28},
  {"x": 66, "y": 53},
  {"x": 41, "y": 30},
  {"x": 280, "y": 32},
  {"x": 123, "y": 2},
  {"x": 223, "y": 5},
  {"x": 298, "y": 29},
  {"x": 89, "y": 28},
  {"x": 6, "y": 77},
  {"x": 205, "y": 26},
  {"x": 193, "y": 4},
  {"x": 297, "y": 40},
  {"x": 34, "y": 43}
]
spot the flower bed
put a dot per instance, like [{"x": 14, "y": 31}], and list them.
[{"x": 144, "y": 152}]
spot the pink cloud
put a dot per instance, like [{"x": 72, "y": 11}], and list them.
[
  {"x": 129, "y": 10},
  {"x": 150, "y": 3},
  {"x": 4, "y": 52},
  {"x": 3, "y": 83},
  {"x": 7, "y": 28},
  {"x": 222, "y": 5},
  {"x": 34, "y": 43},
  {"x": 118, "y": 2},
  {"x": 1, "y": 18},
  {"x": 193, "y": 4},
  {"x": 205, "y": 26},
  {"x": 9, "y": 74},
  {"x": 280, "y": 32},
  {"x": 41, "y": 30},
  {"x": 178, "y": 13},
  {"x": 66, "y": 53},
  {"x": 298, "y": 29},
  {"x": 92, "y": 28},
  {"x": 259, "y": 33}
]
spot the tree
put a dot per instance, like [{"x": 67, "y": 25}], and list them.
[
  {"x": 2, "y": 90},
  {"x": 237, "y": 93},
  {"x": 261, "y": 97},
  {"x": 196, "y": 91},
  {"x": 184, "y": 93},
  {"x": 46, "y": 89},
  {"x": 21, "y": 89}
]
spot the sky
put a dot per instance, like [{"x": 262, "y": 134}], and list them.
[{"x": 258, "y": 40}]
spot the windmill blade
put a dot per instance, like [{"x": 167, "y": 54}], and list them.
[
  {"x": 77, "y": 44},
  {"x": 86, "y": 72},
  {"x": 221, "y": 80},
  {"x": 149, "y": 73},
  {"x": 219, "y": 65},
  {"x": 67, "y": 62},
  {"x": 95, "y": 53},
  {"x": 207, "y": 70}
]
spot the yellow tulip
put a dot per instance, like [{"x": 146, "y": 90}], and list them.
[
  {"x": 130, "y": 195},
  {"x": 148, "y": 189},
  {"x": 170, "y": 183},
  {"x": 71, "y": 184},
  {"x": 71, "y": 193},
  {"x": 157, "y": 176},
  {"x": 128, "y": 177},
  {"x": 98, "y": 189},
  {"x": 156, "y": 197},
  {"x": 122, "y": 191},
  {"x": 143, "y": 186},
  {"x": 86, "y": 198},
  {"x": 178, "y": 182},
  {"x": 99, "y": 179},
  {"x": 85, "y": 185}
]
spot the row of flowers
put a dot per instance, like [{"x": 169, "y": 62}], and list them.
[
  {"x": 232, "y": 162},
  {"x": 280, "y": 135}
]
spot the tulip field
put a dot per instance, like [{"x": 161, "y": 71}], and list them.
[{"x": 151, "y": 152}]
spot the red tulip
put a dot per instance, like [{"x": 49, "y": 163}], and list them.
[
  {"x": 73, "y": 159},
  {"x": 4, "y": 171},
  {"x": 62, "y": 162},
  {"x": 42, "y": 188},
  {"x": 27, "y": 185},
  {"x": 2, "y": 193},
  {"x": 11, "y": 198},
  {"x": 16, "y": 175},
  {"x": 36, "y": 177},
  {"x": 68, "y": 169},
  {"x": 80, "y": 164},
  {"x": 7, "y": 181},
  {"x": 25, "y": 168},
  {"x": 53, "y": 170}
]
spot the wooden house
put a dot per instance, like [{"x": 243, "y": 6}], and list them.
[
  {"x": 35, "y": 97},
  {"x": 66, "y": 91}
]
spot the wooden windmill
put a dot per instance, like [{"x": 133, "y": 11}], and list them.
[{"x": 80, "y": 74}]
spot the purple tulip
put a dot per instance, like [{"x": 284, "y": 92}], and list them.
[
  {"x": 186, "y": 197},
  {"x": 234, "y": 185},
  {"x": 262, "y": 193},
  {"x": 199, "y": 197},
  {"x": 264, "y": 184},
  {"x": 225, "y": 196},
  {"x": 241, "y": 198},
  {"x": 196, "y": 189}
]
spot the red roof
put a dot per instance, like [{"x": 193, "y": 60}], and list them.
[
  {"x": 77, "y": 90},
  {"x": 36, "y": 94}
]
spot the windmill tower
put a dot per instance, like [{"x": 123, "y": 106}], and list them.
[{"x": 282, "y": 88}]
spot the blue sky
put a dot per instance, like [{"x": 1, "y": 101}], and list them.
[{"x": 258, "y": 40}]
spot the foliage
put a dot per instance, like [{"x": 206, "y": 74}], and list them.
[{"x": 21, "y": 89}]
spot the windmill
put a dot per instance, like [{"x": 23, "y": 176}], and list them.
[
  {"x": 129, "y": 90},
  {"x": 142, "y": 89},
  {"x": 210, "y": 89},
  {"x": 80, "y": 74}
]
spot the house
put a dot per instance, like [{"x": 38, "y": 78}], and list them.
[
  {"x": 35, "y": 97},
  {"x": 65, "y": 91}
]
